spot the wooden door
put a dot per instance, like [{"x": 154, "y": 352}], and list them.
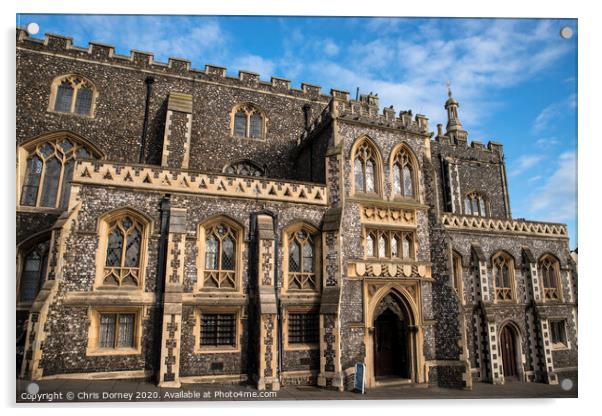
[
  {"x": 508, "y": 348},
  {"x": 390, "y": 347}
]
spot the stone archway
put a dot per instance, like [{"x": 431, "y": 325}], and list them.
[{"x": 393, "y": 339}]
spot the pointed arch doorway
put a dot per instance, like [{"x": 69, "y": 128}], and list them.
[
  {"x": 508, "y": 348},
  {"x": 391, "y": 354}
]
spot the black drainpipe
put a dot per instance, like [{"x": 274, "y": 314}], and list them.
[
  {"x": 149, "y": 89},
  {"x": 160, "y": 282}
]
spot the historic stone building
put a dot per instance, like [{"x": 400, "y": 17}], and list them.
[{"x": 188, "y": 226}]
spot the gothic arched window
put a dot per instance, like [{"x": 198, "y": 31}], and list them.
[
  {"x": 403, "y": 174},
  {"x": 221, "y": 246},
  {"x": 248, "y": 121},
  {"x": 366, "y": 169},
  {"x": 503, "y": 273},
  {"x": 73, "y": 94},
  {"x": 33, "y": 272},
  {"x": 457, "y": 282},
  {"x": 244, "y": 168},
  {"x": 474, "y": 204},
  {"x": 389, "y": 244},
  {"x": 124, "y": 240},
  {"x": 549, "y": 271},
  {"x": 303, "y": 257},
  {"x": 49, "y": 170}
]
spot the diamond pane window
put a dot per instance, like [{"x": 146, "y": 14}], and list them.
[
  {"x": 256, "y": 122},
  {"x": 301, "y": 254},
  {"x": 116, "y": 330},
  {"x": 126, "y": 331},
  {"x": 549, "y": 270},
  {"x": 240, "y": 124},
  {"x": 83, "y": 104},
  {"x": 49, "y": 171},
  {"x": 220, "y": 256},
  {"x": 64, "y": 95},
  {"x": 502, "y": 269},
  {"x": 124, "y": 250}
]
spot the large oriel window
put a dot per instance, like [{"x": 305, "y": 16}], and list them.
[
  {"x": 248, "y": 121},
  {"x": 302, "y": 260},
  {"x": 549, "y": 272},
  {"x": 122, "y": 250},
  {"x": 503, "y": 273},
  {"x": 366, "y": 168},
  {"x": 33, "y": 271},
  {"x": 49, "y": 166},
  {"x": 474, "y": 204},
  {"x": 73, "y": 94},
  {"x": 404, "y": 173},
  {"x": 390, "y": 244},
  {"x": 220, "y": 250}
]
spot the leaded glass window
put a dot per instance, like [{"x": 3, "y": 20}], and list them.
[
  {"x": 218, "y": 329},
  {"x": 124, "y": 245},
  {"x": 116, "y": 330},
  {"x": 475, "y": 205},
  {"x": 248, "y": 122},
  {"x": 74, "y": 95},
  {"x": 502, "y": 271},
  {"x": 301, "y": 265},
  {"x": 403, "y": 180},
  {"x": 558, "y": 332},
  {"x": 303, "y": 328},
  {"x": 549, "y": 271},
  {"x": 220, "y": 256},
  {"x": 49, "y": 171},
  {"x": 34, "y": 266},
  {"x": 364, "y": 168}
]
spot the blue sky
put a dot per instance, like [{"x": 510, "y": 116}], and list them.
[{"x": 515, "y": 79}]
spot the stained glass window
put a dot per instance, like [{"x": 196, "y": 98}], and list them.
[{"x": 124, "y": 247}]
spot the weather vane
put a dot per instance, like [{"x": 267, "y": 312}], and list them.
[{"x": 448, "y": 83}]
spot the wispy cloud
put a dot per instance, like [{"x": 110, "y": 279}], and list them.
[
  {"x": 548, "y": 115},
  {"x": 524, "y": 163},
  {"x": 556, "y": 199},
  {"x": 547, "y": 142}
]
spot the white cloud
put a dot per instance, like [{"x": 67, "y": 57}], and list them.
[
  {"x": 548, "y": 115},
  {"x": 330, "y": 47},
  {"x": 524, "y": 163},
  {"x": 547, "y": 142},
  {"x": 556, "y": 199}
]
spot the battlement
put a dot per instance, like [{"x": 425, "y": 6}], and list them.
[
  {"x": 102, "y": 53},
  {"x": 492, "y": 146}
]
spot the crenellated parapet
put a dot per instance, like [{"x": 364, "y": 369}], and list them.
[
  {"x": 101, "y": 53},
  {"x": 144, "y": 177}
]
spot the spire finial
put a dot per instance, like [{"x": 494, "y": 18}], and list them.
[{"x": 449, "y": 93}]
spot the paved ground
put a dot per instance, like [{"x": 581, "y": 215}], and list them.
[{"x": 140, "y": 391}]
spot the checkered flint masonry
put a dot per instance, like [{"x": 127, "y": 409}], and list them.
[{"x": 192, "y": 227}]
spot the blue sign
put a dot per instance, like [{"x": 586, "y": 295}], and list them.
[{"x": 359, "y": 377}]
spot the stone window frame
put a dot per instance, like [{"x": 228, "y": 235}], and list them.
[
  {"x": 23, "y": 249},
  {"x": 237, "y": 311},
  {"x": 30, "y": 147},
  {"x": 507, "y": 291},
  {"x": 94, "y": 314},
  {"x": 73, "y": 78},
  {"x": 479, "y": 196},
  {"x": 239, "y": 231},
  {"x": 378, "y": 168},
  {"x": 457, "y": 274},
  {"x": 557, "y": 346},
  {"x": 261, "y": 172},
  {"x": 103, "y": 228},
  {"x": 378, "y": 231},
  {"x": 555, "y": 264},
  {"x": 315, "y": 234},
  {"x": 299, "y": 309},
  {"x": 249, "y": 109},
  {"x": 415, "y": 173}
]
